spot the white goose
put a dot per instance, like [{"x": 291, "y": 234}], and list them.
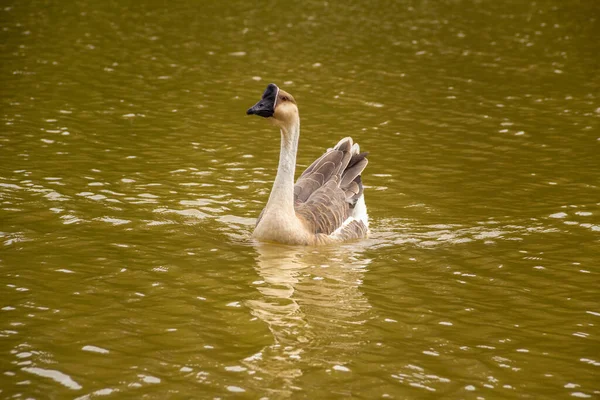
[{"x": 326, "y": 204}]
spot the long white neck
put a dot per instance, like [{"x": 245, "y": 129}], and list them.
[{"x": 282, "y": 194}]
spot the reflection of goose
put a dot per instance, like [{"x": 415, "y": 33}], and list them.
[
  {"x": 326, "y": 204},
  {"x": 312, "y": 305}
]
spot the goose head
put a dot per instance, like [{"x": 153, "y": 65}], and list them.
[{"x": 276, "y": 105}]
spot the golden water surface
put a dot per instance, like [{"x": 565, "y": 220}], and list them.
[{"x": 130, "y": 180}]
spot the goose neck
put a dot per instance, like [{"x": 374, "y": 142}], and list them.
[{"x": 282, "y": 195}]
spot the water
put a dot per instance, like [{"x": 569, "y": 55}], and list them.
[{"x": 130, "y": 180}]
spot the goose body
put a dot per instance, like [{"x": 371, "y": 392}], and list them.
[{"x": 326, "y": 204}]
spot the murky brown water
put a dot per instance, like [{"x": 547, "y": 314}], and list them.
[{"x": 130, "y": 179}]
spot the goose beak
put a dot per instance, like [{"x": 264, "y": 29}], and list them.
[{"x": 266, "y": 106}]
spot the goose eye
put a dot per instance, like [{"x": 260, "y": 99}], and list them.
[{"x": 284, "y": 98}]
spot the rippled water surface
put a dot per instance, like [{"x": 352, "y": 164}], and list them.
[{"x": 130, "y": 180}]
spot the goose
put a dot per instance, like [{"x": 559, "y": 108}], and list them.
[{"x": 326, "y": 204}]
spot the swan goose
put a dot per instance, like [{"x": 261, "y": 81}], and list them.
[{"x": 326, "y": 204}]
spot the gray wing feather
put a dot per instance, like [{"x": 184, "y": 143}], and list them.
[
  {"x": 327, "y": 190},
  {"x": 319, "y": 172},
  {"x": 326, "y": 209},
  {"x": 354, "y": 230},
  {"x": 335, "y": 155},
  {"x": 352, "y": 172}
]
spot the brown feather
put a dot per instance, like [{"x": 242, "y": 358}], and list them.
[
  {"x": 352, "y": 172},
  {"x": 328, "y": 189},
  {"x": 354, "y": 230}
]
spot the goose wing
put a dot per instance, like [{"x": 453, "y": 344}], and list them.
[{"x": 327, "y": 191}]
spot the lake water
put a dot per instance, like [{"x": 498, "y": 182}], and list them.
[{"x": 131, "y": 178}]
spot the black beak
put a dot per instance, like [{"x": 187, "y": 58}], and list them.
[{"x": 266, "y": 106}]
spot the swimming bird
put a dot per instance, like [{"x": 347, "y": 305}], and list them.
[{"x": 326, "y": 204}]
